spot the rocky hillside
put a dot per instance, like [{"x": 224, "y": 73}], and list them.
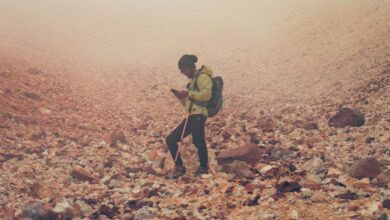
[{"x": 305, "y": 132}]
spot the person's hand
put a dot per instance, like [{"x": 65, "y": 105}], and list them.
[
  {"x": 179, "y": 94},
  {"x": 184, "y": 94}
]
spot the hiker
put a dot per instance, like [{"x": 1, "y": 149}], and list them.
[{"x": 195, "y": 101}]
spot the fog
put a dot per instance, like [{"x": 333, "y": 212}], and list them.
[
  {"x": 263, "y": 41},
  {"x": 154, "y": 31}
]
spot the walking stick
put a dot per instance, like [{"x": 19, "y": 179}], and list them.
[{"x": 179, "y": 144}]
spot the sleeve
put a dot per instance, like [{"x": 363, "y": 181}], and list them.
[{"x": 205, "y": 86}]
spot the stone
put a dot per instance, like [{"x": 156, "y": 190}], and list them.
[
  {"x": 143, "y": 214},
  {"x": 85, "y": 209},
  {"x": 7, "y": 214},
  {"x": 249, "y": 153},
  {"x": 82, "y": 174},
  {"x": 310, "y": 126},
  {"x": 362, "y": 183},
  {"x": 315, "y": 165},
  {"x": 347, "y": 196},
  {"x": 34, "y": 71},
  {"x": 41, "y": 191},
  {"x": 333, "y": 172},
  {"x": 265, "y": 169},
  {"x": 347, "y": 117},
  {"x": 239, "y": 168},
  {"x": 319, "y": 198},
  {"x": 45, "y": 111},
  {"x": 280, "y": 153},
  {"x": 382, "y": 179},
  {"x": 266, "y": 125},
  {"x": 32, "y": 96},
  {"x": 112, "y": 138},
  {"x": 108, "y": 211},
  {"x": 33, "y": 210},
  {"x": 288, "y": 187},
  {"x": 250, "y": 187},
  {"x": 63, "y": 209},
  {"x": 365, "y": 168},
  {"x": 386, "y": 203}
]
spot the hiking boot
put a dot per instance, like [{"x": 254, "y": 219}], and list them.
[
  {"x": 178, "y": 171},
  {"x": 200, "y": 171}
]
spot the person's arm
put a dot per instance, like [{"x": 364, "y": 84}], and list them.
[{"x": 205, "y": 86}]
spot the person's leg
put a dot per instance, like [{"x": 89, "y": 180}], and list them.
[
  {"x": 198, "y": 138},
  {"x": 174, "y": 137}
]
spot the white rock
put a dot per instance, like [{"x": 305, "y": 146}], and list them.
[
  {"x": 265, "y": 169},
  {"x": 315, "y": 165},
  {"x": 45, "y": 111},
  {"x": 62, "y": 207}
]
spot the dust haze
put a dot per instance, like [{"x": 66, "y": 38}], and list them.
[
  {"x": 252, "y": 43},
  {"x": 85, "y": 109}
]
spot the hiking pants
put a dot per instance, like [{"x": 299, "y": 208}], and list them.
[{"x": 196, "y": 127}]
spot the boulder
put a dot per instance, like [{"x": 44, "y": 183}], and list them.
[
  {"x": 249, "y": 153},
  {"x": 365, "y": 168},
  {"x": 347, "y": 117}
]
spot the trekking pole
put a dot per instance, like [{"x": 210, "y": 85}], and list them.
[{"x": 179, "y": 144}]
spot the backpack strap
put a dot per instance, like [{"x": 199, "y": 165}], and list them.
[{"x": 203, "y": 104}]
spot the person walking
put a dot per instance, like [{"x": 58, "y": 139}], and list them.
[{"x": 199, "y": 92}]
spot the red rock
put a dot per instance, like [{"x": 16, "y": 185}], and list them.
[
  {"x": 266, "y": 125},
  {"x": 310, "y": 126},
  {"x": 112, "y": 138},
  {"x": 383, "y": 179},
  {"x": 249, "y": 153},
  {"x": 82, "y": 174},
  {"x": 365, "y": 168},
  {"x": 252, "y": 187},
  {"x": 347, "y": 117}
]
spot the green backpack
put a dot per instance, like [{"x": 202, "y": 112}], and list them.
[{"x": 214, "y": 105}]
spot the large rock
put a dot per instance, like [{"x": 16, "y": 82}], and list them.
[
  {"x": 249, "y": 153},
  {"x": 315, "y": 165},
  {"x": 347, "y": 117},
  {"x": 365, "y": 168}
]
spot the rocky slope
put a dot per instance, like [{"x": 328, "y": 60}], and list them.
[{"x": 304, "y": 133}]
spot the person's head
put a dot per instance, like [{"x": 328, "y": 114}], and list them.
[{"x": 187, "y": 65}]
